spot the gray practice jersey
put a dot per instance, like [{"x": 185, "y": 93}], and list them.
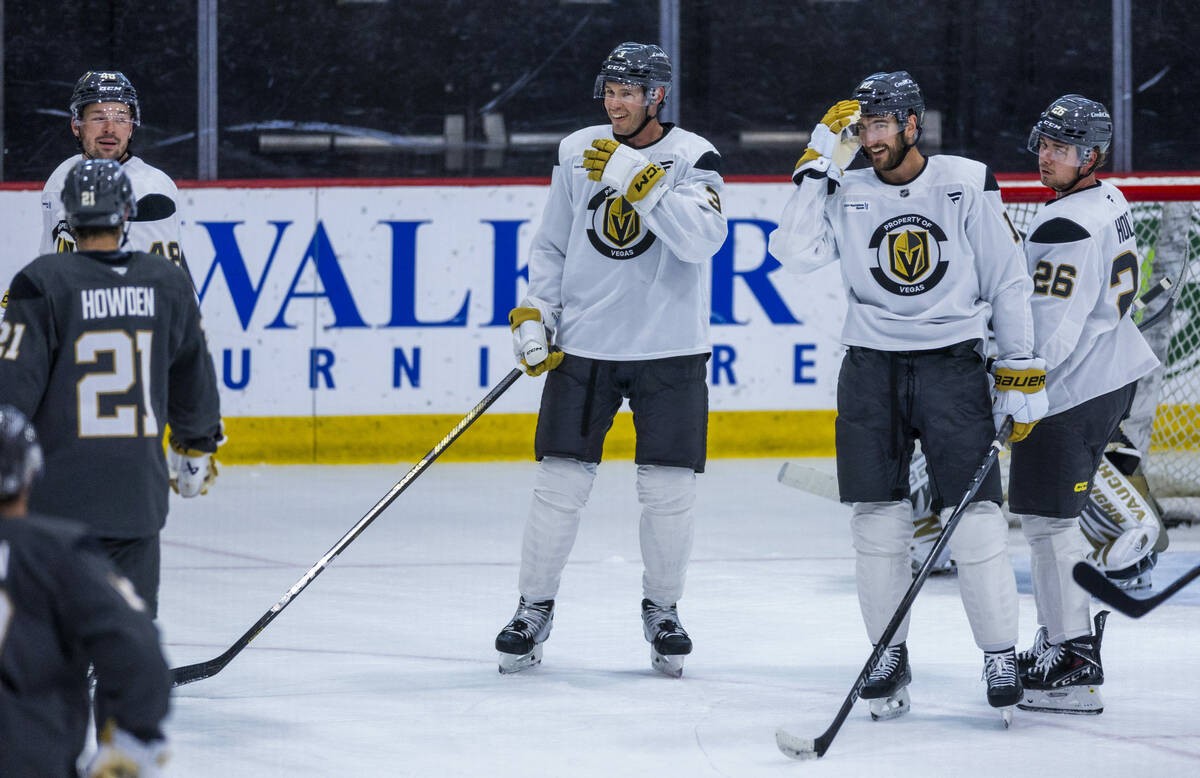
[
  {"x": 618, "y": 281},
  {"x": 155, "y": 228},
  {"x": 101, "y": 350},
  {"x": 1084, "y": 261},
  {"x": 925, "y": 264}
]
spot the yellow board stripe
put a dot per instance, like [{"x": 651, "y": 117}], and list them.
[{"x": 497, "y": 437}]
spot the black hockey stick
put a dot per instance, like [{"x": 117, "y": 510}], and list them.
[
  {"x": 804, "y": 748},
  {"x": 1099, "y": 585},
  {"x": 1139, "y": 305},
  {"x": 202, "y": 670}
]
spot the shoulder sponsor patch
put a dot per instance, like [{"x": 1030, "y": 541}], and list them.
[{"x": 856, "y": 206}]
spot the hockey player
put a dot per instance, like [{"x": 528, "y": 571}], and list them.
[
  {"x": 617, "y": 285},
  {"x": 103, "y": 348},
  {"x": 62, "y": 605},
  {"x": 1083, "y": 258},
  {"x": 104, "y": 110},
  {"x": 926, "y": 255}
]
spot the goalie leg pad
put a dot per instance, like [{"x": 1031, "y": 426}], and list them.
[
  {"x": 561, "y": 489},
  {"x": 666, "y": 529},
  {"x": 986, "y": 582},
  {"x": 881, "y": 532},
  {"x": 1055, "y": 545}
]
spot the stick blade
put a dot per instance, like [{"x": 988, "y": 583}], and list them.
[
  {"x": 809, "y": 479},
  {"x": 795, "y": 747},
  {"x": 1098, "y": 585}
]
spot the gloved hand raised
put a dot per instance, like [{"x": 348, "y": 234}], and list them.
[
  {"x": 627, "y": 170},
  {"x": 831, "y": 146},
  {"x": 1020, "y": 393},
  {"x": 531, "y": 342}
]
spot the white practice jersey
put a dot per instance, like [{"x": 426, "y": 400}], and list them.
[
  {"x": 925, "y": 263},
  {"x": 617, "y": 281},
  {"x": 155, "y": 229},
  {"x": 1084, "y": 261}
]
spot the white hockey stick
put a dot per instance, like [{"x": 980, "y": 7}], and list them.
[{"x": 810, "y": 479}]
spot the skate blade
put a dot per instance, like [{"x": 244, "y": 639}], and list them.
[
  {"x": 1006, "y": 715},
  {"x": 1082, "y": 700},
  {"x": 795, "y": 747},
  {"x": 667, "y": 664},
  {"x": 515, "y": 663},
  {"x": 885, "y": 708}
]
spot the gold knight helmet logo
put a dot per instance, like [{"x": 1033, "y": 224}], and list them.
[
  {"x": 909, "y": 251},
  {"x": 622, "y": 224}
]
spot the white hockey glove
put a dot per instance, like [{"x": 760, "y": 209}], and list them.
[
  {"x": 531, "y": 342},
  {"x": 831, "y": 145},
  {"x": 191, "y": 471},
  {"x": 627, "y": 170},
  {"x": 1020, "y": 393},
  {"x": 122, "y": 755}
]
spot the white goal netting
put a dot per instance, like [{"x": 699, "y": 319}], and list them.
[{"x": 1165, "y": 422}]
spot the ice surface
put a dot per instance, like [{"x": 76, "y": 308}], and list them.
[{"x": 384, "y": 665}]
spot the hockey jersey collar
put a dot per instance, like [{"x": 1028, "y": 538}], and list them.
[{"x": 1068, "y": 194}]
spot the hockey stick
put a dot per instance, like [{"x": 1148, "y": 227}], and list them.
[
  {"x": 804, "y": 748},
  {"x": 810, "y": 479},
  {"x": 1139, "y": 305},
  {"x": 1099, "y": 585},
  {"x": 202, "y": 670}
]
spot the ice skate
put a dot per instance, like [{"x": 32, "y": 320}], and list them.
[
  {"x": 1066, "y": 677},
  {"x": 669, "y": 641},
  {"x": 887, "y": 686},
  {"x": 1003, "y": 681},
  {"x": 520, "y": 642}
]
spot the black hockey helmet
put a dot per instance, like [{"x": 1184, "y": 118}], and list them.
[
  {"x": 895, "y": 94},
  {"x": 104, "y": 86},
  {"x": 97, "y": 193},
  {"x": 20, "y": 453},
  {"x": 1077, "y": 121},
  {"x": 643, "y": 64}
]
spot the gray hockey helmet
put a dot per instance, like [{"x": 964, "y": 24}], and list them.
[
  {"x": 20, "y": 452},
  {"x": 104, "y": 86},
  {"x": 97, "y": 193},
  {"x": 1077, "y": 121},
  {"x": 895, "y": 94},
  {"x": 643, "y": 64}
]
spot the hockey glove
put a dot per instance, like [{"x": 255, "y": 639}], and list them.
[
  {"x": 1020, "y": 393},
  {"x": 122, "y": 755},
  {"x": 192, "y": 471},
  {"x": 531, "y": 342},
  {"x": 627, "y": 170},
  {"x": 831, "y": 146}
]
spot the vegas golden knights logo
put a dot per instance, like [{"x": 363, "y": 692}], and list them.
[
  {"x": 909, "y": 251},
  {"x": 908, "y": 254},
  {"x": 615, "y": 229},
  {"x": 622, "y": 225}
]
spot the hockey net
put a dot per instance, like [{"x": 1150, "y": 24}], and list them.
[{"x": 1165, "y": 421}]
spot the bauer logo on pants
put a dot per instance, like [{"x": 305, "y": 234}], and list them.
[
  {"x": 908, "y": 255},
  {"x": 616, "y": 230}
]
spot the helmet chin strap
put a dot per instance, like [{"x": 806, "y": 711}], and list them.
[
  {"x": 907, "y": 148},
  {"x": 626, "y": 138},
  {"x": 1080, "y": 175}
]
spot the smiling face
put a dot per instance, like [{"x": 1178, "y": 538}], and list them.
[
  {"x": 883, "y": 140},
  {"x": 626, "y": 106},
  {"x": 104, "y": 130}
]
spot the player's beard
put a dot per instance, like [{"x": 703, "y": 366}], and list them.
[{"x": 892, "y": 159}]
